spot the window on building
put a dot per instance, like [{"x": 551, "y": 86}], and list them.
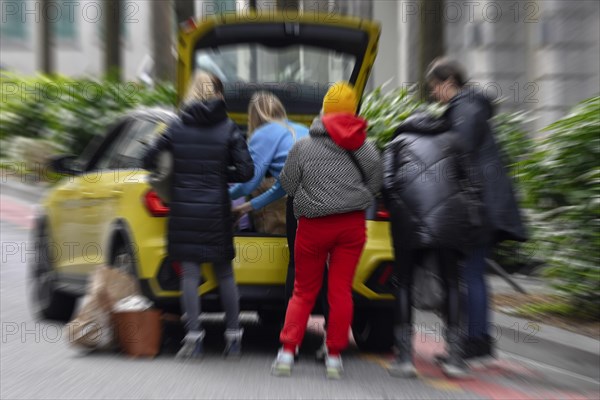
[
  {"x": 218, "y": 7},
  {"x": 65, "y": 26},
  {"x": 13, "y": 26}
]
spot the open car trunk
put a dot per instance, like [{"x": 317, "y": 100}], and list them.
[{"x": 297, "y": 59}]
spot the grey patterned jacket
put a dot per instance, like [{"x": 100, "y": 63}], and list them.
[{"x": 324, "y": 180}]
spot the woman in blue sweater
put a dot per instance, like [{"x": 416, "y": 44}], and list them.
[{"x": 271, "y": 138}]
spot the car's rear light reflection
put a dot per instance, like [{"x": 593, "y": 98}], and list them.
[
  {"x": 176, "y": 266},
  {"x": 381, "y": 214},
  {"x": 154, "y": 204},
  {"x": 383, "y": 280}
]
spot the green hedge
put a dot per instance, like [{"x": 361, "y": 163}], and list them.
[
  {"x": 561, "y": 181},
  {"x": 69, "y": 111}
]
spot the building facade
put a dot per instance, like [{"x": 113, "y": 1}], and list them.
[
  {"x": 533, "y": 55},
  {"x": 537, "y": 56},
  {"x": 78, "y": 28}
]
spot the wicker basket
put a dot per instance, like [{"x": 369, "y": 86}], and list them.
[{"x": 139, "y": 333}]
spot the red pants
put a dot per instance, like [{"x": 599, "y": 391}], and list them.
[{"x": 342, "y": 237}]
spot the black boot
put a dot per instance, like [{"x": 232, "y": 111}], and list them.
[
  {"x": 454, "y": 365},
  {"x": 402, "y": 366},
  {"x": 475, "y": 351},
  {"x": 484, "y": 351}
]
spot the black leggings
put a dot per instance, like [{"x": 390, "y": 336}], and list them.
[
  {"x": 291, "y": 225},
  {"x": 405, "y": 264}
]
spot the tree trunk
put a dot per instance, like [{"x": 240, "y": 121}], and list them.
[
  {"x": 46, "y": 60},
  {"x": 431, "y": 39},
  {"x": 184, "y": 10},
  {"x": 162, "y": 40},
  {"x": 112, "y": 39}
]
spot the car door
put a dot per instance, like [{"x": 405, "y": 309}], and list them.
[
  {"x": 82, "y": 206},
  {"x": 74, "y": 211},
  {"x": 123, "y": 167}
]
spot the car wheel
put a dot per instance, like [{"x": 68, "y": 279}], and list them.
[
  {"x": 45, "y": 300},
  {"x": 373, "y": 330}
]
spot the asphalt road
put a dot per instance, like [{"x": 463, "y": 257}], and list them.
[{"x": 36, "y": 361}]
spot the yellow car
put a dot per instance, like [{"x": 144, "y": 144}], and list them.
[{"x": 104, "y": 211}]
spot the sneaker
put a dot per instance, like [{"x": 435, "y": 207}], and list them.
[
  {"x": 402, "y": 368},
  {"x": 334, "y": 367},
  {"x": 454, "y": 367},
  {"x": 476, "y": 353},
  {"x": 233, "y": 343},
  {"x": 192, "y": 346},
  {"x": 282, "y": 366}
]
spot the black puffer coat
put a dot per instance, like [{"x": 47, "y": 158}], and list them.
[
  {"x": 426, "y": 188},
  {"x": 208, "y": 153},
  {"x": 468, "y": 114}
]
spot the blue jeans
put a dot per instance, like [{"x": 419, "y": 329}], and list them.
[{"x": 476, "y": 302}]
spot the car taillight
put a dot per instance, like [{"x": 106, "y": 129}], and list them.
[
  {"x": 154, "y": 204},
  {"x": 385, "y": 274},
  {"x": 382, "y": 214},
  {"x": 383, "y": 280},
  {"x": 176, "y": 265}
]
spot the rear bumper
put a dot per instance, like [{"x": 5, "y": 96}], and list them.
[{"x": 254, "y": 298}]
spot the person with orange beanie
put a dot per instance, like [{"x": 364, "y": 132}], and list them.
[{"x": 333, "y": 176}]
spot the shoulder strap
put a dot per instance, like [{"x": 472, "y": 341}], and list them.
[{"x": 355, "y": 161}]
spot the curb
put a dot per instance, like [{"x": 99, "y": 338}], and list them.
[
  {"x": 548, "y": 344},
  {"x": 537, "y": 342}
]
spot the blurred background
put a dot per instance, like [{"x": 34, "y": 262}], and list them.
[{"x": 68, "y": 69}]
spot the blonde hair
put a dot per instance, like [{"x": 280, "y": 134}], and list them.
[
  {"x": 264, "y": 107},
  {"x": 204, "y": 87}
]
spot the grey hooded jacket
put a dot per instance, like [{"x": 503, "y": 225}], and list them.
[{"x": 323, "y": 179}]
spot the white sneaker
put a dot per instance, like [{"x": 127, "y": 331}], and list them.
[
  {"x": 191, "y": 345},
  {"x": 334, "y": 366},
  {"x": 282, "y": 366}
]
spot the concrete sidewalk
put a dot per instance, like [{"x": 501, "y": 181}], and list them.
[
  {"x": 541, "y": 342},
  {"x": 532, "y": 340}
]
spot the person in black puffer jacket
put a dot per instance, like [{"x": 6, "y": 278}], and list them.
[
  {"x": 208, "y": 153},
  {"x": 434, "y": 209},
  {"x": 468, "y": 113}
]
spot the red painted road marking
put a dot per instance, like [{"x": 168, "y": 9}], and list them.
[
  {"x": 16, "y": 213},
  {"x": 428, "y": 345}
]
